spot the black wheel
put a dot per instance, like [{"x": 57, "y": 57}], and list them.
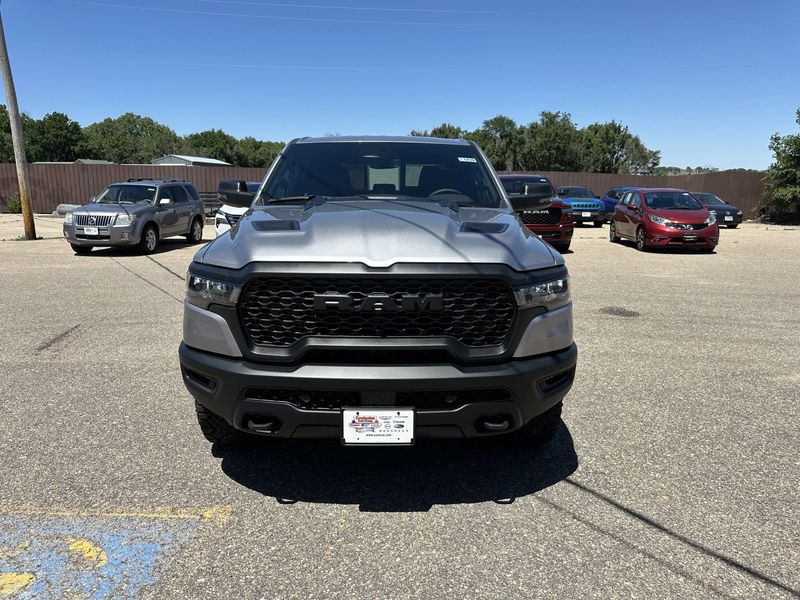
[
  {"x": 598, "y": 223},
  {"x": 541, "y": 429},
  {"x": 612, "y": 233},
  {"x": 641, "y": 243},
  {"x": 81, "y": 249},
  {"x": 149, "y": 241},
  {"x": 707, "y": 250},
  {"x": 732, "y": 225},
  {"x": 195, "y": 234},
  {"x": 561, "y": 247},
  {"x": 216, "y": 429}
]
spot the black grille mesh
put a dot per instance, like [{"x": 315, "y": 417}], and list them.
[
  {"x": 548, "y": 217},
  {"x": 421, "y": 400},
  {"x": 280, "y": 312}
]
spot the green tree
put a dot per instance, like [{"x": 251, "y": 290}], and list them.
[
  {"x": 6, "y": 146},
  {"x": 782, "y": 189},
  {"x": 256, "y": 153},
  {"x": 55, "y": 137},
  {"x": 213, "y": 143},
  {"x": 553, "y": 143},
  {"x": 611, "y": 148},
  {"x": 499, "y": 137},
  {"x": 130, "y": 138}
]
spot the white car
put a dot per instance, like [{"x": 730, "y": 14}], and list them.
[{"x": 228, "y": 216}]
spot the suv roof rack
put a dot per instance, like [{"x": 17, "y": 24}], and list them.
[{"x": 134, "y": 179}]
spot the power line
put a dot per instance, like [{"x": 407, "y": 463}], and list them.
[{"x": 183, "y": 11}]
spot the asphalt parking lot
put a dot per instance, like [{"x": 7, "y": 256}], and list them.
[{"x": 676, "y": 472}]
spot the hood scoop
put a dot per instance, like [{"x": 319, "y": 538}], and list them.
[
  {"x": 483, "y": 227},
  {"x": 277, "y": 225}
]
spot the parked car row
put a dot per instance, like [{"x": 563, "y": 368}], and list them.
[{"x": 650, "y": 217}]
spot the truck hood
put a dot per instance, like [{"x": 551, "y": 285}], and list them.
[{"x": 379, "y": 233}]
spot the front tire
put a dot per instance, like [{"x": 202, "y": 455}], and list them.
[
  {"x": 561, "y": 247},
  {"x": 81, "y": 249},
  {"x": 598, "y": 223},
  {"x": 732, "y": 225},
  {"x": 641, "y": 242},
  {"x": 195, "y": 235},
  {"x": 149, "y": 241},
  {"x": 215, "y": 429},
  {"x": 612, "y": 233}
]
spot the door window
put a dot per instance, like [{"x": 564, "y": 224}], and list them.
[{"x": 179, "y": 194}]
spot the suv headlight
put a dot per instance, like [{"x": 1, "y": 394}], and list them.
[
  {"x": 203, "y": 292},
  {"x": 659, "y": 220},
  {"x": 124, "y": 219},
  {"x": 550, "y": 294},
  {"x": 712, "y": 218},
  {"x": 68, "y": 218}
]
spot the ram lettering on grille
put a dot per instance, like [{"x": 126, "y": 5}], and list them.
[{"x": 281, "y": 312}]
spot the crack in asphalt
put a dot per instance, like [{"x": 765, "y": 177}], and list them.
[
  {"x": 55, "y": 339},
  {"x": 166, "y": 268},
  {"x": 147, "y": 281}
]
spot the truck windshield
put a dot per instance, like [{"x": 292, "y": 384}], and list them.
[
  {"x": 577, "y": 192},
  {"x": 385, "y": 170},
  {"x": 516, "y": 185},
  {"x": 127, "y": 194}
]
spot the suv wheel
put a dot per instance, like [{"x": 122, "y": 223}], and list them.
[
  {"x": 195, "y": 234},
  {"x": 81, "y": 249},
  {"x": 149, "y": 241},
  {"x": 215, "y": 429},
  {"x": 561, "y": 247},
  {"x": 641, "y": 243},
  {"x": 612, "y": 233},
  {"x": 541, "y": 429},
  {"x": 598, "y": 223},
  {"x": 732, "y": 225}
]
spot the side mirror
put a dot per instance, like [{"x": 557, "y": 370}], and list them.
[
  {"x": 164, "y": 201},
  {"x": 532, "y": 198},
  {"x": 233, "y": 192}
]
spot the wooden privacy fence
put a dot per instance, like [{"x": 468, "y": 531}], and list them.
[{"x": 54, "y": 184}]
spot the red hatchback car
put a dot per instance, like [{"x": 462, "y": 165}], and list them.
[
  {"x": 554, "y": 223},
  {"x": 654, "y": 217}
]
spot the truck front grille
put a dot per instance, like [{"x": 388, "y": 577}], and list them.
[
  {"x": 281, "y": 312},
  {"x": 420, "y": 400},
  {"x": 93, "y": 220},
  {"x": 544, "y": 217}
]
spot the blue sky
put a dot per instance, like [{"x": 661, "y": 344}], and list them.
[{"x": 704, "y": 82}]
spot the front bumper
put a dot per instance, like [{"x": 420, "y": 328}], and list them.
[
  {"x": 585, "y": 216},
  {"x": 222, "y": 385},
  {"x": 558, "y": 234},
  {"x": 729, "y": 219},
  {"x": 657, "y": 235},
  {"x": 107, "y": 236}
]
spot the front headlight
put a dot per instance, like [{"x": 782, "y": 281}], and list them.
[
  {"x": 68, "y": 218},
  {"x": 124, "y": 219},
  {"x": 550, "y": 294},
  {"x": 712, "y": 218},
  {"x": 659, "y": 220},
  {"x": 203, "y": 292}
]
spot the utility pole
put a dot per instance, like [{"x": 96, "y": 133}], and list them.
[{"x": 17, "y": 137}]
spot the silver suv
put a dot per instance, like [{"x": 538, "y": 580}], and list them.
[
  {"x": 380, "y": 290},
  {"x": 137, "y": 212}
]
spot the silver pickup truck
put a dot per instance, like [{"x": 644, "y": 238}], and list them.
[
  {"x": 137, "y": 212},
  {"x": 379, "y": 290}
]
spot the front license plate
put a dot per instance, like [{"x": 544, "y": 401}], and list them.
[
  {"x": 729, "y": 218},
  {"x": 586, "y": 214},
  {"x": 90, "y": 231},
  {"x": 690, "y": 238},
  {"x": 381, "y": 425}
]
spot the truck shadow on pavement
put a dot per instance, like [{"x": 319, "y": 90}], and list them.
[{"x": 399, "y": 479}]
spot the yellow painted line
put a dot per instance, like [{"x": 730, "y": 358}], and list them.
[
  {"x": 13, "y": 583},
  {"x": 217, "y": 514},
  {"x": 93, "y": 555}
]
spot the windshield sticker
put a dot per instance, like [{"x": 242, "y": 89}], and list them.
[{"x": 467, "y": 159}]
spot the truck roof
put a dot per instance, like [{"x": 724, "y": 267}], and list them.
[{"x": 382, "y": 138}]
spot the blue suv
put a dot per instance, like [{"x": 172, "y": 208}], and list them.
[
  {"x": 586, "y": 206},
  {"x": 612, "y": 196}
]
